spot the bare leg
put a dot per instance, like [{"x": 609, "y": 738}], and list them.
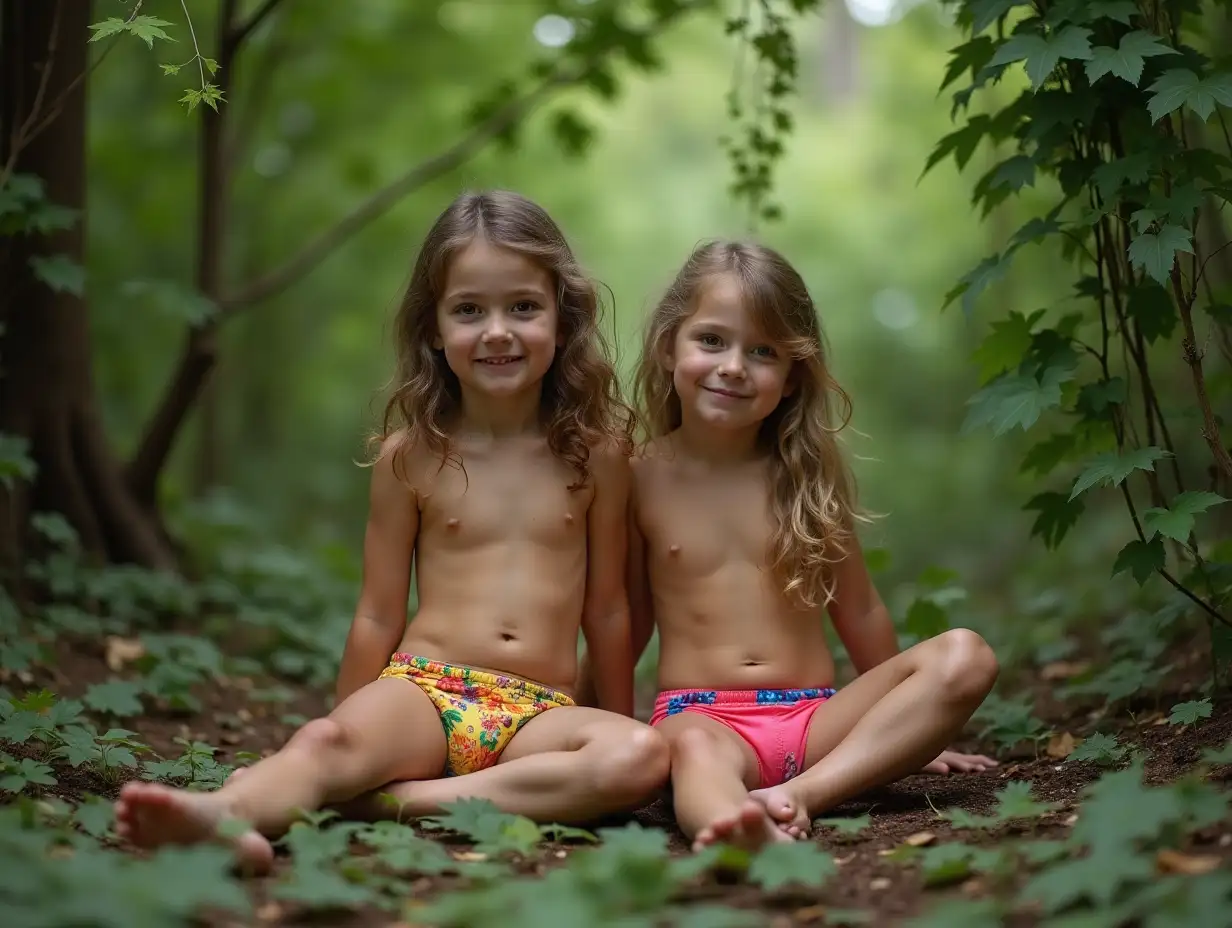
[
  {"x": 886, "y": 724},
  {"x": 569, "y": 765},
  {"x": 362, "y": 743},
  {"x": 711, "y": 767}
]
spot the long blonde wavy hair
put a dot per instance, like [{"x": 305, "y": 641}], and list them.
[
  {"x": 813, "y": 493},
  {"x": 581, "y": 405}
]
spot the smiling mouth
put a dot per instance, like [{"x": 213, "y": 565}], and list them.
[
  {"x": 728, "y": 393},
  {"x": 500, "y": 362}
]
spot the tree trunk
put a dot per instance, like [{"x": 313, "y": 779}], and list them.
[{"x": 47, "y": 383}]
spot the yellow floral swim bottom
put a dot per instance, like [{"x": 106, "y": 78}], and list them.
[{"x": 480, "y": 711}]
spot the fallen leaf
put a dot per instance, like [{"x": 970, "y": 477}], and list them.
[
  {"x": 844, "y": 860},
  {"x": 121, "y": 651},
  {"x": 470, "y": 856},
  {"x": 1225, "y": 840},
  {"x": 811, "y": 913},
  {"x": 973, "y": 887},
  {"x": 880, "y": 883},
  {"x": 243, "y": 715},
  {"x": 560, "y": 855},
  {"x": 1159, "y": 721},
  {"x": 920, "y": 839},
  {"x": 1063, "y": 670},
  {"x": 1167, "y": 861},
  {"x": 1061, "y": 745},
  {"x": 1071, "y": 821},
  {"x": 270, "y": 912}
]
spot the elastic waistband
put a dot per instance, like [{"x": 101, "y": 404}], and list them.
[
  {"x": 508, "y": 685},
  {"x": 741, "y": 697}
]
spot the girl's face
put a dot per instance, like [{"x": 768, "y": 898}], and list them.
[
  {"x": 497, "y": 320},
  {"x": 726, "y": 371}
]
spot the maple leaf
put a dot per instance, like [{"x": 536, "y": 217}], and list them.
[
  {"x": 1126, "y": 60},
  {"x": 1186, "y": 713},
  {"x": 778, "y": 865}
]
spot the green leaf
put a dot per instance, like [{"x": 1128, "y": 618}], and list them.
[
  {"x": 1126, "y": 60},
  {"x": 1218, "y": 756},
  {"x": 961, "y": 143},
  {"x": 108, "y": 27},
  {"x": 77, "y": 746},
  {"x": 1180, "y": 86},
  {"x": 986, "y": 12},
  {"x": 1057, "y": 515},
  {"x": 1015, "y": 173},
  {"x": 1006, "y": 345},
  {"x": 1177, "y": 521},
  {"x": 977, "y": 280},
  {"x": 1186, "y": 713},
  {"x": 1016, "y": 400},
  {"x": 960, "y": 913},
  {"x": 568, "y": 833},
  {"x": 1099, "y": 749},
  {"x": 95, "y": 815},
  {"x": 60, "y": 273},
  {"x": 1119, "y": 10},
  {"x": 925, "y": 619},
  {"x": 115, "y": 697},
  {"x": 778, "y": 865},
  {"x": 149, "y": 28},
  {"x": 15, "y": 460},
  {"x": 847, "y": 826},
  {"x": 1141, "y": 558},
  {"x": 1043, "y": 54},
  {"x": 1156, "y": 252},
  {"x": 1098, "y": 878},
  {"x": 1112, "y": 468},
  {"x": 1151, "y": 306},
  {"x": 970, "y": 56},
  {"x": 170, "y": 68},
  {"x": 1043, "y": 457}
]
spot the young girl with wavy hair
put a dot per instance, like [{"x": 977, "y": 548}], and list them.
[
  {"x": 502, "y": 477},
  {"x": 742, "y": 530}
]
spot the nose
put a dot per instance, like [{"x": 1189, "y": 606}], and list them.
[
  {"x": 497, "y": 330},
  {"x": 733, "y": 366}
]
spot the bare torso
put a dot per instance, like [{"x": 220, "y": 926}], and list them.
[
  {"x": 722, "y": 618},
  {"x": 501, "y": 561}
]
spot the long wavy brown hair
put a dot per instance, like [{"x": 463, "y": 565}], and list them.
[
  {"x": 813, "y": 493},
  {"x": 580, "y": 406}
]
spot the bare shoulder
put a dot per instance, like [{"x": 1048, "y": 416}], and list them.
[
  {"x": 399, "y": 465},
  {"x": 609, "y": 460},
  {"x": 654, "y": 458}
]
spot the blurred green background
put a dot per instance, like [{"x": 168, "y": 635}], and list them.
[{"x": 334, "y": 99}]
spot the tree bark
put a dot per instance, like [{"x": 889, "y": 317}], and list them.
[{"x": 46, "y": 376}]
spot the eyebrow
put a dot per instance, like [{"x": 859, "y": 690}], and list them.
[{"x": 520, "y": 292}]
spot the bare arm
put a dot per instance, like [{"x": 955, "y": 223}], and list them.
[
  {"x": 605, "y": 613},
  {"x": 389, "y": 547},
  {"x": 641, "y": 604},
  {"x": 860, "y": 617}
]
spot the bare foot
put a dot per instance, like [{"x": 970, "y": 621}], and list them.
[
  {"x": 785, "y": 808},
  {"x": 749, "y": 828},
  {"x": 150, "y": 815}
]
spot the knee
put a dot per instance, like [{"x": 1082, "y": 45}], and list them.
[
  {"x": 637, "y": 764},
  {"x": 321, "y": 736},
  {"x": 968, "y": 665},
  {"x": 694, "y": 744}
]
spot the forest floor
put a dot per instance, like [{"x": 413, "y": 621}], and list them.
[{"x": 883, "y": 871}]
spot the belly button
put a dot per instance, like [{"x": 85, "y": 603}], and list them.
[{"x": 505, "y": 636}]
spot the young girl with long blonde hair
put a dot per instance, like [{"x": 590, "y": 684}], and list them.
[{"x": 742, "y": 531}]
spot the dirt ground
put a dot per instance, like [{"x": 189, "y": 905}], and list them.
[{"x": 888, "y": 890}]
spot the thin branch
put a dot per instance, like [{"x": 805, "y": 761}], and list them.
[
  {"x": 311, "y": 255},
  {"x": 17, "y": 141},
  {"x": 241, "y": 32},
  {"x": 1193, "y": 358},
  {"x": 53, "y": 110}
]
